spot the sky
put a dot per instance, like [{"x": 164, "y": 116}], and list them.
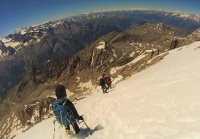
[
  {"x": 21, "y": 13},
  {"x": 156, "y": 103}
]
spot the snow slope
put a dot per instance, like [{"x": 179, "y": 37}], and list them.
[{"x": 161, "y": 102}]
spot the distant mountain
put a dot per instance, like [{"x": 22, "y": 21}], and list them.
[{"x": 134, "y": 16}]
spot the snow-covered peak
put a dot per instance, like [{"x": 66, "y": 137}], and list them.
[{"x": 22, "y": 31}]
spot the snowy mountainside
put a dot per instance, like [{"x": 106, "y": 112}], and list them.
[{"x": 161, "y": 102}]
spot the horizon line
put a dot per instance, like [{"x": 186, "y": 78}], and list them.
[{"x": 104, "y": 10}]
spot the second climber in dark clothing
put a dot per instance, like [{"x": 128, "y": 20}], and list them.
[{"x": 102, "y": 83}]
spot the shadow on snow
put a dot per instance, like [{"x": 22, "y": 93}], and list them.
[{"x": 85, "y": 132}]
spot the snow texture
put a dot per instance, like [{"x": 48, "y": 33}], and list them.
[{"x": 161, "y": 102}]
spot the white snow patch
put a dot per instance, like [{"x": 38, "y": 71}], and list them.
[
  {"x": 114, "y": 53},
  {"x": 137, "y": 59},
  {"x": 23, "y": 32},
  {"x": 69, "y": 93},
  {"x": 8, "y": 42},
  {"x": 38, "y": 40},
  {"x": 115, "y": 69},
  {"x": 33, "y": 118},
  {"x": 78, "y": 79},
  {"x": 12, "y": 44},
  {"x": 132, "y": 54},
  {"x": 5, "y": 40},
  {"x": 16, "y": 126},
  {"x": 101, "y": 45}
]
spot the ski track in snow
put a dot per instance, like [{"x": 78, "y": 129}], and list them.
[{"x": 161, "y": 102}]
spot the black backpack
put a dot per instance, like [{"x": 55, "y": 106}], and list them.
[{"x": 102, "y": 82}]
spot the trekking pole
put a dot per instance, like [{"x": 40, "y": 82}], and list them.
[
  {"x": 54, "y": 121},
  {"x": 86, "y": 124}
]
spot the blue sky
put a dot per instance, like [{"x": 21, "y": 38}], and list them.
[{"x": 20, "y": 13}]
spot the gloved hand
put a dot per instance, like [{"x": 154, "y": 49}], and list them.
[{"x": 80, "y": 118}]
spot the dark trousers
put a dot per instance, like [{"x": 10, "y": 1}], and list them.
[
  {"x": 109, "y": 85},
  {"x": 75, "y": 126},
  {"x": 104, "y": 88}
]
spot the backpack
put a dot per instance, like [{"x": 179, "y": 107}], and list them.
[
  {"x": 108, "y": 80},
  {"x": 102, "y": 82},
  {"x": 63, "y": 114}
]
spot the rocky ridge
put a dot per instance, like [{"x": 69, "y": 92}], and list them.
[{"x": 40, "y": 45}]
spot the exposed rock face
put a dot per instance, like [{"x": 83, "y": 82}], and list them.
[
  {"x": 195, "y": 36},
  {"x": 50, "y": 70},
  {"x": 39, "y": 45},
  {"x": 36, "y": 111},
  {"x": 6, "y": 50},
  {"x": 27, "y": 116}
]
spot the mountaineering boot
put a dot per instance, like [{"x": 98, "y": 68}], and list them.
[{"x": 67, "y": 131}]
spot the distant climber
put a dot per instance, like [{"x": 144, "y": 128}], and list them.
[
  {"x": 102, "y": 83},
  {"x": 65, "y": 111}
]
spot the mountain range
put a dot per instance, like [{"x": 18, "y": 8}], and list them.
[{"x": 77, "y": 51}]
